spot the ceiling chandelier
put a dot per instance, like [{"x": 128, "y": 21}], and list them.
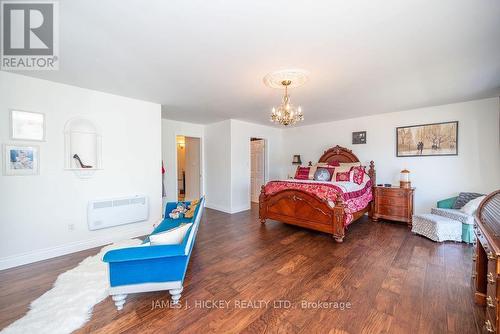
[{"x": 286, "y": 113}]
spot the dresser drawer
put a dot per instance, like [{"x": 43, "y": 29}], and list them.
[
  {"x": 392, "y": 192},
  {"x": 388, "y": 210},
  {"x": 392, "y": 201}
]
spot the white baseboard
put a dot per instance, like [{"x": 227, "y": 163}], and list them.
[
  {"x": 218, "y": 207},
  {"x": 51, "y": 252},
  {"x": 226, "y": 209},
  {"x": 243, "y": 208}
]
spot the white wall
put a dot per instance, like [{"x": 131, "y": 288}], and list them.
[
  {"x": 241, "y": 132},
  {"x": 171, "y": 129},
  {"x": 35, "y": 211},
  {"x": 476, "y": 168},
  {"x": 217, "y": 152},
  {"x": 227, "y": 152}
]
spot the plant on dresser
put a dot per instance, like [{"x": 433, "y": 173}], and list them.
[{"x": 393, "y": 203}]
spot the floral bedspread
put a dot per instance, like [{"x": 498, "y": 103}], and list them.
[{"x": 354, "y": 200}]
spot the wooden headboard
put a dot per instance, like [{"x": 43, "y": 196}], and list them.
[
  {"x": 342, "y": 154},
  {"x": 338, "y": 153}
]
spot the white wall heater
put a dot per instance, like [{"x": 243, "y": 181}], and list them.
[{"x": 117, "y": 211}]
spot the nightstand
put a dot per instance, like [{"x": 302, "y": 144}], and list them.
[{"x": 393, "y": 203}]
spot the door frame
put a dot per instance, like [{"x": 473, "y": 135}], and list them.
[{"x": 202, "y": 171}]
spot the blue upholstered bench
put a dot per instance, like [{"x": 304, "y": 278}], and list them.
[{"x": 153, "y": 268}]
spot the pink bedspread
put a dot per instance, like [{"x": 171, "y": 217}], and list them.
[{"x": 353, "y": 200}]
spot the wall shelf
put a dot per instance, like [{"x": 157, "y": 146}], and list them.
[{"x": 82, "y": 137}]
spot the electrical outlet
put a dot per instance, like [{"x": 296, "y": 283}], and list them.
[{"x": 71, "y": 227}]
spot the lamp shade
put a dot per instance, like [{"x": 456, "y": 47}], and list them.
[
  {"x": 296, "y": 159},
  {"x": 404, "y": 179}
]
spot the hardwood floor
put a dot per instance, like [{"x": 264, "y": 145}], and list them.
[{"x": 395, "y": 282}]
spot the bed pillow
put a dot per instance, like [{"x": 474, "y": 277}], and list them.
[
  {"x": 302, "y": 173},
  {"x": 173, "y": 236},
  {"x": 357, "y": 174},
  {"x": 329, "y": 163},
  {"x": 349, "y": 165},
  {"x": 345, "y": 167},
  {"x": 342, "y": 176},
  {"x": 471, "y": 206},
  {"x": 324, "y": 173},
  {"x": 464, "y": 198}
]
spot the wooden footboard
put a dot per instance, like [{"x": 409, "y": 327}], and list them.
[{"x": 297, "y": 207}]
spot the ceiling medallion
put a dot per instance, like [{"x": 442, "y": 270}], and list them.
[{"x": 286, "y": 113}]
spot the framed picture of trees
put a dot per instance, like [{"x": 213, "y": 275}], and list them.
[{"x": 427, "y": 139}]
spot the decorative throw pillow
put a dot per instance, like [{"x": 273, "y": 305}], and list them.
[
  {"x": 463, "y": 198},
  {"x": 323, "y": 173},
  {"x": 357, "y": 174},
  {"x": 302, "y": 173},
  {"x": 342, "y": 176},
  {"x": 345, "y": 167},
  {"x": 170, "y": 237},
  {"x": 471, "y": 206}
]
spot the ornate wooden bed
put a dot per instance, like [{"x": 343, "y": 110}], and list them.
[{"x": 297, "y": 207}]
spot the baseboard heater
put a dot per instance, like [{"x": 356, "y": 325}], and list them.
[{"x": 117, "y": 211}]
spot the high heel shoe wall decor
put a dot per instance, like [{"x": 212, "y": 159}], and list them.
[{"x": 77, "y": 158}]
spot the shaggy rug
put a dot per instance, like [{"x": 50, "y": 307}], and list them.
[{"x": 68, "y": 305}]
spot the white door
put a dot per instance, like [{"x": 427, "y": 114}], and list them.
[
  {"x": 192, "y": 166},
  {"x": 257, "y": 168}
]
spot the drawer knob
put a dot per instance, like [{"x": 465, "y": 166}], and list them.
[
  {"x": 474, "y": 257},
  {"x": 490, "y": 278},
  {"x": 474, "y": 274},
  {"x": 489, "y": 302},
  {"x": 488, "y": 326},
  {"x": 491, "y": 256}
]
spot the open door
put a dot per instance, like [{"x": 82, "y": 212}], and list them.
[
  {"x": 257, "y": 167},
  {"x": 188, "y": 168},
  {"x": 193, "y": 169}
]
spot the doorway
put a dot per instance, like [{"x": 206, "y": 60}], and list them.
[
  {"x": 188, "y": 168},
  {"x": 257, "y": 167}
]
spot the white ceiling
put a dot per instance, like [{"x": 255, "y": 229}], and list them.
[{"x": 204, "y": 60}]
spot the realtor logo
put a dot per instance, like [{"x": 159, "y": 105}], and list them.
[{"x": 30, "y": 35}]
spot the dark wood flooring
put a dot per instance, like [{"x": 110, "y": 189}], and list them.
[{"x": 395, "y": 282}]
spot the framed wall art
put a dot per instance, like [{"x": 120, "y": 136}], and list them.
[
  {"x": 359, "y": 137},
  {"x": 27, "y": 125},
  {"x": 21, "y": 160},
  {"x": 436, "y": 139}
]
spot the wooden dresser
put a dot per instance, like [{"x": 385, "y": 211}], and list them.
[
  {"x": 486, "y": 260},
  {"x": 393, "y": 203}
]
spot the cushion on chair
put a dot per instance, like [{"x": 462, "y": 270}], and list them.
[
  {"x": 170, "y": 237},
  {"x": 463, "y": 198},
  {"x": 437, "y": 228},
  {"x": 471, "y": 207},
  {"x": 454, "y": 214}
]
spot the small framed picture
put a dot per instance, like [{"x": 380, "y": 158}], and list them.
[
  {"x": 21, "y": 160},
  {"x": 359, "y": 137},
  {"x": 27, "y": 125}
]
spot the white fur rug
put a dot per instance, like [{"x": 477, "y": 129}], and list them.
[{"x": 68, "y": 305}]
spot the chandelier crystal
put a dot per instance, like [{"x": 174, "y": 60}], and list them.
[{"x": 286, "y": 113}]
